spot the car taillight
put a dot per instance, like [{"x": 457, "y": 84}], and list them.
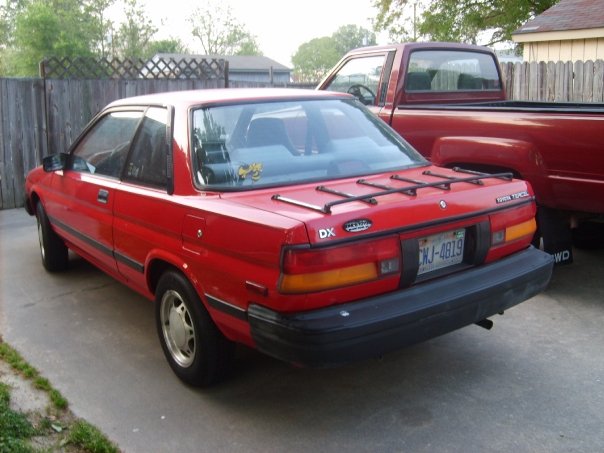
[
  {"x": 511, "y": 231},
  {"x": 309, "y": 270}
]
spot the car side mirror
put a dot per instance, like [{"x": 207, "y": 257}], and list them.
[{"x": 54, "y": 162}]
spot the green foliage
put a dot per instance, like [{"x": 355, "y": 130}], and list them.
[
  {"x": 249, "y": 47},
  {"x": 58, "y": 400},
  {"x": 86, "y": 436},
  {"x": 456, "y": 20},
  {"x": 14, "y": 359},
  {"x": 220, "y": 33},
  {"x": 31, "y": 30},
  {"x": 349, "y": 37},
  {"x": 134, "y": 35},
  {"x": 37, "y": 33},
  {"x": 315, "y": 57},
  {"x": 166, "y": 46},
  {"x": 101, "y": 27},
  {"x": 15, "y": 429},
  {"x": 394, "y": 16}
]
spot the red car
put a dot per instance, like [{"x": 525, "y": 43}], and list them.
[{"x": 294, "y": 222}]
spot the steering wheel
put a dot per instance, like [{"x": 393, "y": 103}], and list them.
[{"x": 357, "y": 91}]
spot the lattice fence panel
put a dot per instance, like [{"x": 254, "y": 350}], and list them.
[{"x": 128, "y": 68}]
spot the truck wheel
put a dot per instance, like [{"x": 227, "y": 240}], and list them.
[
  {"x": 52, "y": 248},
  {"x": 196, "y": 350}
]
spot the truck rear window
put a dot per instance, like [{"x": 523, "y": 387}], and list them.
[
  {"x": 451, "y": 70},
  {"x": 280, "y": 143}
]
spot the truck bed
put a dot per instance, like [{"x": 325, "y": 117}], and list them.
[
  {"x": 554, "y": 146},
  {"x": 515, "y": 106}
]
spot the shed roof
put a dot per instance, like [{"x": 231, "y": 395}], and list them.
[{"x": 567, "y": 15}]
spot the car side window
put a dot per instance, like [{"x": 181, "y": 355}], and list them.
[
  {"x": 105, "y": 147},
  {"x": 147, "y": 163},
  {"x": 360, "y": 77}
]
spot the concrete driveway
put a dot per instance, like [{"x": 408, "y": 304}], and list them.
[{"x": 535, "y": 383}]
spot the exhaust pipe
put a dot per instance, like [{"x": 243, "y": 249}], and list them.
[{"x": 485, "y": 324}]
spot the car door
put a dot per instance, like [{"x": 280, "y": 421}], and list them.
[
  {"x": 145, "y": 216},
  {"x": 82, "y": 205},
  {"x": 366, "y": 77}
]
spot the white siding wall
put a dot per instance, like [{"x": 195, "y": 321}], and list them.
[{"x": 566, "y": 50}]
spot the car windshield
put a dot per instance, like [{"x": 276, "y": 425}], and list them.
[{"x": 266, "y": 144}]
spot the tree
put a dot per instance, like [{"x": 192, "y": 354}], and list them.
[
  {"x": 171, "y": 45},
  {"x": 220, "y": 33},
  {"x": 134, "y": 35},
  {"x": 101, "y": 26},
  {"x": 349, "y": 37},
  {"x": 315, "y": 57},
  {"x": 31, "y": 30},
  {"x": 44, "y": 29},
  {"x": 8, "y": 13},
  {"x": 249, "y": 47},
  {"x": 456, "y": 20}
]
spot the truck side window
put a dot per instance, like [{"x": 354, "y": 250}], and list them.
[
  {"x": 451, "y": 70},
  {"x": 360, "y": 77}
]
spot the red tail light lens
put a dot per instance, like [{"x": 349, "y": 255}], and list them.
[
  {"x": 310, "y": 270},
  {"x": 511, "y": 231}
]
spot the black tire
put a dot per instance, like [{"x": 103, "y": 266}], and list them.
[
  {"x": 53, "y": 250},
  {"x": 198, "y": 353}
]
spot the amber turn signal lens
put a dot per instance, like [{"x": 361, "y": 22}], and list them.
[
  {"x": 514, "y": 232},
  {"x": 520, "y": 230},
  {"x": 317, "y": 281}
]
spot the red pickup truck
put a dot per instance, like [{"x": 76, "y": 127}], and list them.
[
  {"x": 292, "y": 221},
  {"x": 449, "y": 102}
]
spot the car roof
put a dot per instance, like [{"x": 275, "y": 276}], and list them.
[{"x": 228, "y": 95}]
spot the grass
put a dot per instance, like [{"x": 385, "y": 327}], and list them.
[
  {"x": 86, "y": 436},
  {"x": 14, "y": 359},
  {"x": 61, "y": 430},
  {"x": 15, "y": 428}
]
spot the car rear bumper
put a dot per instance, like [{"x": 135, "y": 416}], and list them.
[{"x": 374, "y": 326}]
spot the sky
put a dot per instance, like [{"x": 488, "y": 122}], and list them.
[{"x": 280, "y": 26}]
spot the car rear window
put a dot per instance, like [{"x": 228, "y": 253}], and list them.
[{"x": 278, "y": 143}]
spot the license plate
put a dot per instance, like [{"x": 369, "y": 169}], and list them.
[{"x": 441, "y": 250}]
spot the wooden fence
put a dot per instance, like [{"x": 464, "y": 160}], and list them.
[
  {"x": 555, "y": 82},
  {"x": 43, "y": 116}
]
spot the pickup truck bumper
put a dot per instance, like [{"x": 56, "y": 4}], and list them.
[{"x": 374, "y": 326}]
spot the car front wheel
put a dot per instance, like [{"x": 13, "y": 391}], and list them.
[{"x": 196, "y": 350}]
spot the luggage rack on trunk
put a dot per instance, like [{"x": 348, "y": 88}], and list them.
[{"x": 443, "y": 183}]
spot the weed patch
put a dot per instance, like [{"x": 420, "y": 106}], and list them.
[{"x": 55, "y": 431}]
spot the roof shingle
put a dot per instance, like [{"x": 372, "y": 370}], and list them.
[{"x": 567, "y": 15}]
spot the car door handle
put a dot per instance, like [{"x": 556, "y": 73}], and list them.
[{"x": 103, "y": 196}]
